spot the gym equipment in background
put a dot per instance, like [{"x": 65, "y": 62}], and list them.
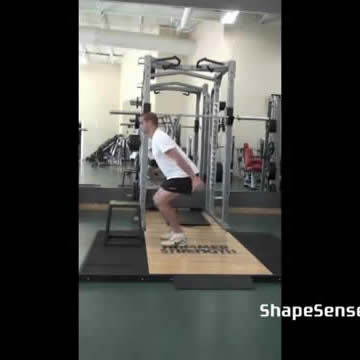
[
  {"x": 115, "y": 151},
  {"x": 270, "y": 151},
  {"x": 104, "y": 155},
  {"x": 253, "y": 167}
]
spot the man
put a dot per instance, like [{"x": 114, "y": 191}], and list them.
[{"x": 181, "y": 177}]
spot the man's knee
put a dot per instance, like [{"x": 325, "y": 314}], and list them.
[
  {"x": 161, "y": 201},
  {"x": 156, "y": 200}
]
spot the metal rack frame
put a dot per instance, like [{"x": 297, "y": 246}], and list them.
[{"x": 155, "y": 68}]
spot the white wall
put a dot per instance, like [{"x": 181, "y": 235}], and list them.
[{"x": 99, "y": 88}]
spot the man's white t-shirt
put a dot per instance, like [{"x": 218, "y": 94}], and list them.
[{"x": 161, "y": 143}]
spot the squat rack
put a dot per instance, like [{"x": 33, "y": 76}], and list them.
[{"x": 155, "y": 68}]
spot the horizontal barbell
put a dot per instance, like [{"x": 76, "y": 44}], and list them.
[
  {"x": 162, "y": 123},
  {"x": 251, "y": 118}
]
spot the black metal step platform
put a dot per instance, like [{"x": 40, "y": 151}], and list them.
[{"x": 123, "y": 238}]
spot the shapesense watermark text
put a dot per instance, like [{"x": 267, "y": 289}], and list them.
[{"x": 315, "y": 311}]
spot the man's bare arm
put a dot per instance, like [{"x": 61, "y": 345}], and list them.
[{"x": 175, "y": 155}]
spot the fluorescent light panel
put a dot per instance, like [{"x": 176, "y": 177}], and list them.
[{"x": 230, "y": 17}]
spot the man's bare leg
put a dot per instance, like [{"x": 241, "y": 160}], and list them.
[
  {"x": 155, "y": 197},
  {"x": 163, "y": 200}
]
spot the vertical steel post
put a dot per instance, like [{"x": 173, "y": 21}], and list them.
[
  {"x": 265, "y": 157},
  {"x": 228, "y": 142},
  {"x": 204, "y": 131},
  {"x": 265, "y": 160},
  {"x": 196, "y": 131},
  {"x": 213, "y": 147},
  {"x": 277, "y": 138},
  {"x": 146, "y": 107},
  {"x": 280, "y": 138}
]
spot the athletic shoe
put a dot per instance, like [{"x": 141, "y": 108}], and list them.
[
  {"x": 176, "y": 239},
  {"x": 166, "y": 236}
]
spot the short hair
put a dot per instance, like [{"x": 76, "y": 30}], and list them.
[{"x": 150, "y": 116}]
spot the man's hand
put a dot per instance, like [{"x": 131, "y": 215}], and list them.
[{"x": 197, "y": 184}]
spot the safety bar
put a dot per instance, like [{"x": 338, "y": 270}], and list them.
[
  {"x": 253, "y": 118},
  {"x": 244, "y": 117}
]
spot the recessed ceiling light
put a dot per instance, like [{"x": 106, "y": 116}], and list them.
[{"x": 230, "y": 17}]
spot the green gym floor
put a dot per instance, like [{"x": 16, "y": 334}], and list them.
[{"x": 151, "y": 320}]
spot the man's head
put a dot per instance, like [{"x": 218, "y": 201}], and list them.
[{"x": 149, "y": 122}]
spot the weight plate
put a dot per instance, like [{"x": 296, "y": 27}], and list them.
[
  {"x": 272, "y": 126},
  {"x": 272, "y": 188},
  {"x": 271, "y": 171}
]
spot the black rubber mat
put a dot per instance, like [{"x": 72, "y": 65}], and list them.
[
  {"x": 192, "y": 218},
  {"x": 102, "y": 195},
  {"x": 125, "y": 238},
  {"x": 213, "y": 282},
  {"x": 265, "y": 247},
  {"x": 113, "y": 262}
]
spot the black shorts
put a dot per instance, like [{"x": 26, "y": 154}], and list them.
[
  {"x": 153, "y": 163},
  {"x": 178, "y": 185}
]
